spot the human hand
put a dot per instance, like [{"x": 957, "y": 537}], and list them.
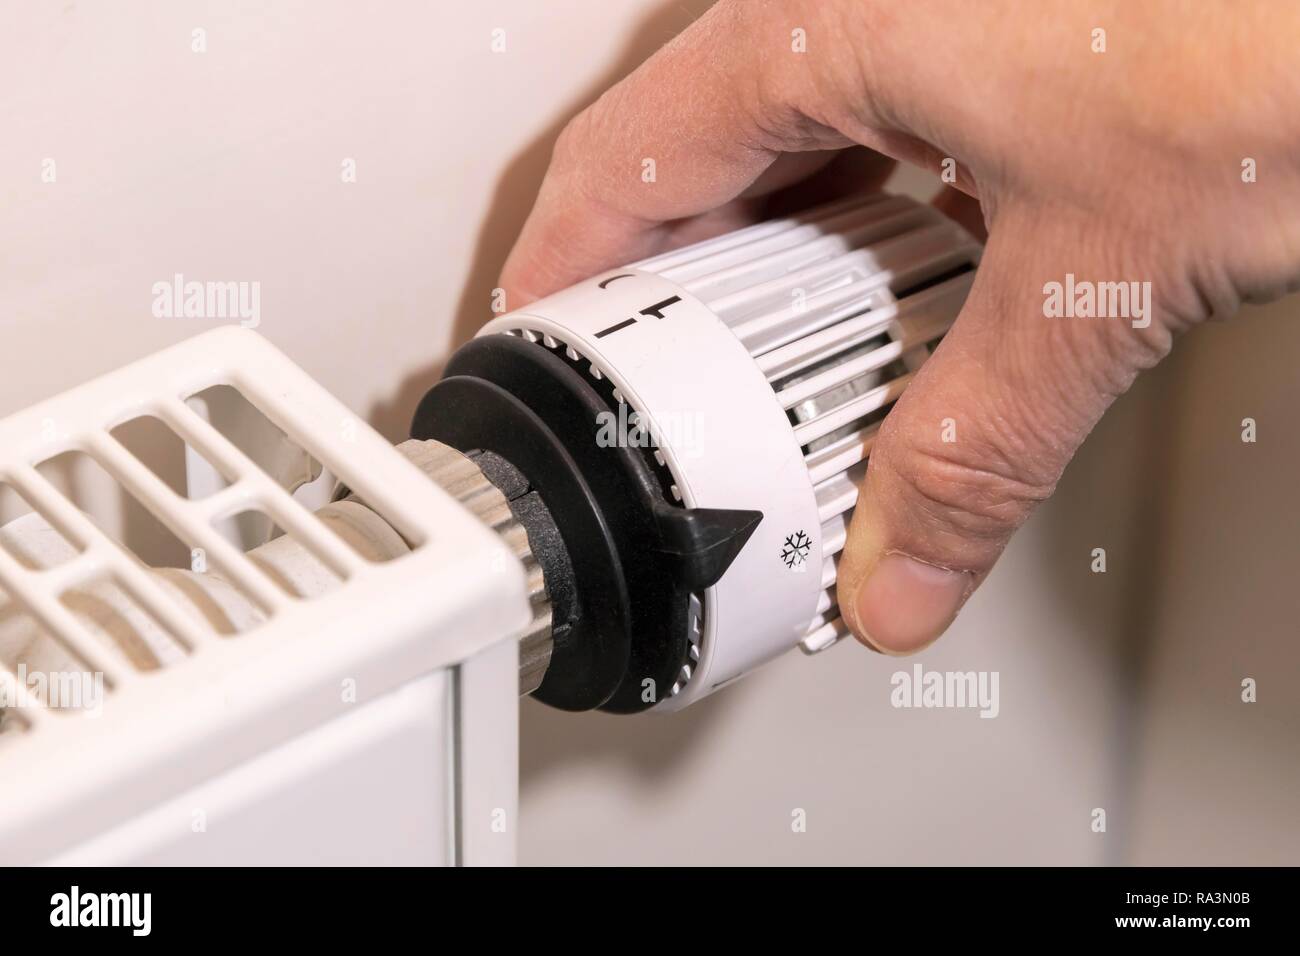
[{"x": 1162, "y": 152}]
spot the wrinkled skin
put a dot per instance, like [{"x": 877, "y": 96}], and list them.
[{"x": 1122, "y": 165}]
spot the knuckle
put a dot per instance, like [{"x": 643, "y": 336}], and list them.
[
  {"x": 966, "y": 488},
  {"x": 579, "y": 180},
  {"x": 568, "y": 147}
]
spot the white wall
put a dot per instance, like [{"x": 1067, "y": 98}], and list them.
[{"x": 1117, "y": 691}]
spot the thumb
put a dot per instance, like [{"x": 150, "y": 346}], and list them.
[{"x": 979, "y": 438}]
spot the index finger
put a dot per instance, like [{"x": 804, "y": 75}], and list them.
[{"x": 694, "y": 127}]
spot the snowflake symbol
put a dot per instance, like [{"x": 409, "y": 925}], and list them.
[{"x": 795, "y": 551}]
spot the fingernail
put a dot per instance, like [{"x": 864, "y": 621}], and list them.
[{"x": 905, "y": 604}]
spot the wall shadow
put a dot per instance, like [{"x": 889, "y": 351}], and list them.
[{"x": 512, "y": 200}]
